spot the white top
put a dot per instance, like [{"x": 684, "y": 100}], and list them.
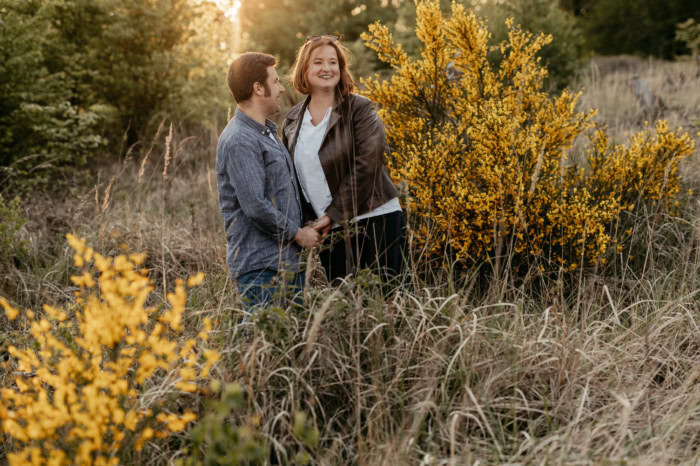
[{"x": 311, "y": 176}]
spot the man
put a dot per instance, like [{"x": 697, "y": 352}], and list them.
[{"x": 258, "y": 194}]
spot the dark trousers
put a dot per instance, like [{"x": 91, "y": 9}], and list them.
[{"x": 378, "y": 243}]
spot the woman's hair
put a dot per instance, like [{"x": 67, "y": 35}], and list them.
[{"x": 301, "y": 65}]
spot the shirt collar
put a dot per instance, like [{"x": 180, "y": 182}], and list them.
[
  {"x": 298, "y": 110},
  {"x": 307, "y": 115},
  {"x": 268, "y": 128}
]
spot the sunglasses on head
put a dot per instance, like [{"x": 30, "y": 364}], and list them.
[{"x": 315, "y": 38}]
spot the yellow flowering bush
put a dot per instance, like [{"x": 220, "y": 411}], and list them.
[
  {"x": 484, "y": 150},
  {"x": 93, "y": 383}
]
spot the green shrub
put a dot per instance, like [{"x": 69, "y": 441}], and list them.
[
  {"x": 42, "y": 132},
  {"x": 637, "y": 26},
  {"x": 688, "y": 32},
  {"x": 483, "y": 151},
  {"x": 561, "y": 56},
  {"x": 216, "y": 441},
  {"x": 77, "y": 74},
  {"x": 287, "y": 24}
]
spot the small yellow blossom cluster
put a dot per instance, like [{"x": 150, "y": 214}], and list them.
[
  {"x": 647, "y": 168},
  {"x": 75, "y": 397},
  {"x": 483, "y": 149}
]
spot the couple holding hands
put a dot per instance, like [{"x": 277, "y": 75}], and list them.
[{"x": 327, "y": 174}]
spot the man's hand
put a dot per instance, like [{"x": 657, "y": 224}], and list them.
[
  {"x": 322, "y": 225},
  {"x": 307, "y": 237}
]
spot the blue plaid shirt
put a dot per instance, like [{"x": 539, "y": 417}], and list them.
[{"x": 258, "y": 196}]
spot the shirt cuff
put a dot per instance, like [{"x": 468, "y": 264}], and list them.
[{"x": 292, "y": 233}]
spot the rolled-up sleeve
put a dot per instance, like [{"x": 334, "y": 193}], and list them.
[{"x": 246, "y": 170}]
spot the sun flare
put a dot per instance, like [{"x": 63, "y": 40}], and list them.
[{"x": 229, "y": 7}]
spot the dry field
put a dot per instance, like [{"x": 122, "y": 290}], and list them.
[
  {"x": 596, "y": 368},
  {"x": 608, "y": 85}
]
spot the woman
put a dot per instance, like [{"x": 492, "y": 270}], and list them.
[{"x": 336, "y": 141}]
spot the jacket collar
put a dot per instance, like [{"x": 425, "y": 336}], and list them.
[
  {"x": 298, "y": 109},
  {"x": 339, "y": 99},
  {"x": 267, "y": 128},
  {"x": 296, "y": 117},
  {"x": 297, "y": 112},
  {"x": 336, "y": 113}
]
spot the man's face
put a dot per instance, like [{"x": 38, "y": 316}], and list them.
[{"x": 273, "y": 92}]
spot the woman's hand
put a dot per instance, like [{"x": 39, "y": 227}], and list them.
[{"x": 322, "y": 225}]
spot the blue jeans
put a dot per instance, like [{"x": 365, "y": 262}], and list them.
[{"x": 268, "y": 286}]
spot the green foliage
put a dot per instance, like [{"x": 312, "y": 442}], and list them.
[
  {"x": 576, "y": 7},
  {"x": 287, "y": 23},
  {"x": 307, "y": 434},
  {"x": 77, "y": 73},
  {"x": 42, "y": 131},
  {"x": 140, "y": 66},
  {"x": 637, "y": 26},
  {"x": 688, "y": 32},
  {"x": 12, "y": 219},
  {"x": 561, "y": 56},
  {"x": 216, "y": 441},
  {"x": 141, "y": 58}
]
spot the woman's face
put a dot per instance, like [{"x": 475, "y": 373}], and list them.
[{"x": 324, "y": 71}]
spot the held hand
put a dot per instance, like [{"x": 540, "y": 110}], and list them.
[
  {"x": 322, "y": 225},
  {"x": 307, "y": 237}
]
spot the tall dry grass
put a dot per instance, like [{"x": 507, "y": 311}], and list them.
[
  {"x": 607, "y": 375},
  {"x": 595, "y": 368},
  {"x": 608, "y": 86}
]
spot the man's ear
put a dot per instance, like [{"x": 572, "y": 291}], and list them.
[{"x": 259, "y": 89}]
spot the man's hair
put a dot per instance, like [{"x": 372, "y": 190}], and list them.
[
  {"x": 301, "y": 65},
  {"x": 246, "y": 70}
]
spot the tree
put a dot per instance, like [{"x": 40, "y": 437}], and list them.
[
  {"x": 638, "y": 26},
  {"x": 561, "y": 55},
  {"x": 76, "y": 74},
  {"x": 136, "y": 56},
  {"x": 576, "y": 7},
  {"x": 43, "y": 131},
  {"x": 280, "y": 28},
  {"x": 688, "y": 32}
]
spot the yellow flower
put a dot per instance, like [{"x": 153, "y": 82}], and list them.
[
  {"x": 490, "y": 164},
  {"x": 204, "y": 334},
  {"x": 86, "y": 388},
  {"x": 211, "y": 357},
  {"x": 188, "y": 387},
  {"x": 78, "y": 260},
  {"x": 195, "y": 280},
  {"x": 146, "y": 435},
  {"x": 10, "y": 311}
]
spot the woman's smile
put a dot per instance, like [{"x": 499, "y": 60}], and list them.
[{"x": 324, "y": 71}]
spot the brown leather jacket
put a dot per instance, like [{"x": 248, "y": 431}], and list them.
[{"x": 351, "y": 154}]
